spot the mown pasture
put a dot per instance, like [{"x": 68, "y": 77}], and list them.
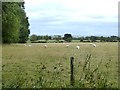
[{"x": 39, "y": 67}]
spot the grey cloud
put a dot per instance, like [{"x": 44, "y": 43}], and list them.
[{"x": 78, "y": 28}]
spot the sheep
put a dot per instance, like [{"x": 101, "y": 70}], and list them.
[
  {"x": 29, "y": 45},
  {"x": 78, "y": 47},
  {"x": 67, "y": 46},
  {"x": 45, "y": 46},
  {"x": 94, "y": 45}
]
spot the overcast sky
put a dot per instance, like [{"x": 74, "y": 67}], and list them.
[{"x": 78, "y": 17}]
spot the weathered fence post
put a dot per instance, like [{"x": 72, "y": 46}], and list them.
[{"x": 72, "y": 71}]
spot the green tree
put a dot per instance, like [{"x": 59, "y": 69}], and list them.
[
  {"x": 14, "y": 20},
  {"x": 57, "y": 37},
  {"x": 40, "y": 37},
  {"x": 46, "y": 38},
  {"x": 114, "y": 38},
  {"x": 10, "y": 23},
  {"x": 93, "y": 38},
  {"x": 33, "y": 37},
  {"x": 67, "y": 37},
  {"x": 102, "y": 39},
  {"x": 24, "y": 29},
  {"x": 81, "y": 39}
]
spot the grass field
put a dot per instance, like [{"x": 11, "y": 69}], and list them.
[{"x": 39, "y": 67}]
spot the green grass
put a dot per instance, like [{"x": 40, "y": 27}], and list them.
[
  {"x": 75, "y": 41},
  {"x": 37, "y": 67}
]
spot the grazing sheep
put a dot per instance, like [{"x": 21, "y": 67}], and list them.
[
  {"x": 29, "y": 45},
  {"x": 78, "y": 47},
  {"x": 45, "y": 46},
  {"x": 94, "y": 45},
  {"x": 67, "y": 46}
]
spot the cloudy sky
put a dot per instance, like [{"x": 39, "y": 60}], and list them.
[{"x": 78, "y": 17}]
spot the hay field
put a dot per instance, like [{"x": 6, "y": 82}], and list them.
[{"x": 39, "y": 67}]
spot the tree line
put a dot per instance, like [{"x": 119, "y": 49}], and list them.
[
  {"x": 69, "y": 38},
  {"x": 98, "y": 38},
  {"x": 15, "y": 25},
  {"x": 58, "y": 38}
]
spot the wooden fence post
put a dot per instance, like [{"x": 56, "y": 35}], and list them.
[{"x": 72, "y": 71}]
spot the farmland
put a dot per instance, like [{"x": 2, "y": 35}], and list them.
[{"x": 39, "y": 67}]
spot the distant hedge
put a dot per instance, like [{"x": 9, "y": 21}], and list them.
[{"x": 38, "y": 41}]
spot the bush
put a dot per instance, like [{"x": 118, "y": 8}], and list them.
[{"x": 38, "y": 41}]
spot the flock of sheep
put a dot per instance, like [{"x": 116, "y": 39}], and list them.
[{"x": 77, "y": 47}]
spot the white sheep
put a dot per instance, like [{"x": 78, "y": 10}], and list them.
[
  {"x": 45, "y": 46},
  {"x": 67, "y": 46},
  {"x": 94, "y": 45},
  {"x": 78, "y": 47},
  {"x": 29, "y": 45}
]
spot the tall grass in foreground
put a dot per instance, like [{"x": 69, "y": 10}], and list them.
[
  {"x": 89, "y": 78},
  {"x": 93, "y": 78}
]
